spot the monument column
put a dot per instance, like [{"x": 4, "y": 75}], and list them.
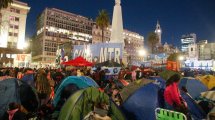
[{"x": 117, "y": 24}]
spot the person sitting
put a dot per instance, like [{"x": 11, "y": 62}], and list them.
[
  {"x": 14, "y": 113},
  {"x": 172, "y": 95}
]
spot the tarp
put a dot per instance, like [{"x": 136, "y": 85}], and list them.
[
  {"x": 194, "y": 87},
  {"x": 208, "y": 80},
  {"x": 79, "y": 61},
  {"x": 13, "y": 90},
  {"x": 195, "y": 110},
  {"x": 209, "y": 95},
  {"x": 82, "y": 102},
  {"x": 159, "y": 81},
  {"x": 141, "y": 104},
  {"x": 81, "y": 82}
]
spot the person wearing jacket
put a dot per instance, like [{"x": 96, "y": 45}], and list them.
[
  {"x": 172, "y": 95},
  {"x": 14, "y": 113}
]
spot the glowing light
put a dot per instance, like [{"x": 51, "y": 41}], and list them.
[
  {"x": 142, "y": 52},
  {"x": 181, "y": 58}
]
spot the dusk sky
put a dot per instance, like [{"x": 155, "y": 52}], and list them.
[{"x": 176, "y": 17}]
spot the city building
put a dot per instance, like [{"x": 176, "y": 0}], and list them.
[
  {"x": 56, "y": 27},
  {"x": 158, "y": 31},
  {"x": 134, "y": 42},
  {"x": 169, "y": 49},
  {"x": 186, "y": 40},
  {"x": 12, "y": 30},
  {"x": 206, "y": 51}
]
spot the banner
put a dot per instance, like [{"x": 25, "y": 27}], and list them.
[
  {"x": 22, "y": 60},
  {"x": 100, "y": 52},
  {"x": 172, "y": 65}
]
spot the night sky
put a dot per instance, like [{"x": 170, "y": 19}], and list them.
[{"x": 176, "y": 17}]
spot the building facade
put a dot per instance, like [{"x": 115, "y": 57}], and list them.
[
  {"x": 134, "y": 42},
  {"x": 192, "y": 52},
  {"x": 187, "y": 40},
  {"x": 12, "y": 30},
  {"x": 206, "y": 51},
  {"x": 56, "y": 27}
]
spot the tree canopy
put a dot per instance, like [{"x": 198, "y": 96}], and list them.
[
  {"x": 173, "y": 57},
  {"x": 103, "y": 21},
  {"x": 152, "y": 41}
]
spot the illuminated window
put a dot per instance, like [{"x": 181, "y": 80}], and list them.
[
  {"x": 11, "y": 26},
  {"x": 16, "y": 19},
  {"x": 12, "y": 18},
  {"x": 10, "y": 34},
  {"x": 16, "y": 27},
  {"x": 15, "y": 34},
  {"x": 17, "y": 11}
]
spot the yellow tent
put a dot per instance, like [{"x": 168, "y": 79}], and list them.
[{"x": 208, "y": 80}]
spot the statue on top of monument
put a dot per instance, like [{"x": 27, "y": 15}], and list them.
[{"x": 117, "y": 2}]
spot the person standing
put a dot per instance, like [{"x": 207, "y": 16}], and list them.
[{"x": 43, "y": 86}]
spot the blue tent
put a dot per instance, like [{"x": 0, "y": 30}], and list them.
[
  {"x": 29, "y": 78},
  {"x": 194, "y": 87},
  {"x": 159, "y": 81},
  {"x": 13, "y": 90},
  {"x": 195, "y": 110},
  {"x": 142, "y": 103},
  {"x": 81, "y": 82}
]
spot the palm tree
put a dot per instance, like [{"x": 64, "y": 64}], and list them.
[
  {"x": 103, "y": 21},
  {"x": 152, "y": 40},
  {"x": 5, "y": 3}
]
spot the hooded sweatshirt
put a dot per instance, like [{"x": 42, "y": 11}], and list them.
[{"x": 172, "y": 95}]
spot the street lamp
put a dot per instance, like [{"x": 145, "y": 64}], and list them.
[
  {"x": 181, "y": 58},
  {"x": 142, "y": 52}
]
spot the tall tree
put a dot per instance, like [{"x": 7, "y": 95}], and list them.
[
  {"x": 152, "y": 40},
  {"x": 5, "y": 3},
  {"x": 103, "y": 21}
]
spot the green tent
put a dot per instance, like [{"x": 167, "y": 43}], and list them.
[
  {"x": 167, "y": 74},
  {"x": 82, "y": 102}
]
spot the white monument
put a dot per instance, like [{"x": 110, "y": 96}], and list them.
[{"x": 117, "y": 24}]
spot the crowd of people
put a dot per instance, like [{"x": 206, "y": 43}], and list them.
[{"x": 45, "y": 81}]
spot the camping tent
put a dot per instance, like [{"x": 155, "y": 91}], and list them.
[
  {"x": 142, "y": 103},
  {"x": 79, "y": 61},
  {"x": 194, "y": 87},
  {"x": 132, "y": 87},
  {"x": 81, "y": 82},
  {"x": 108, "y": 64},
  {"x": 195, "y": 110},
  {"x": 167, "y": 74},
  {"x": 82, "y": 103},
  {"x": 208, "y": 80},
  {"x": 159, "y": 81},
  {"x": 13, "y": 90}
]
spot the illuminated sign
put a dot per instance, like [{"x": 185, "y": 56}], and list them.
[{"x": 100, "y": 52}]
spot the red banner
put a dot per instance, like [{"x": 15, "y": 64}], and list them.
[{"x": 172, "y": 65}]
